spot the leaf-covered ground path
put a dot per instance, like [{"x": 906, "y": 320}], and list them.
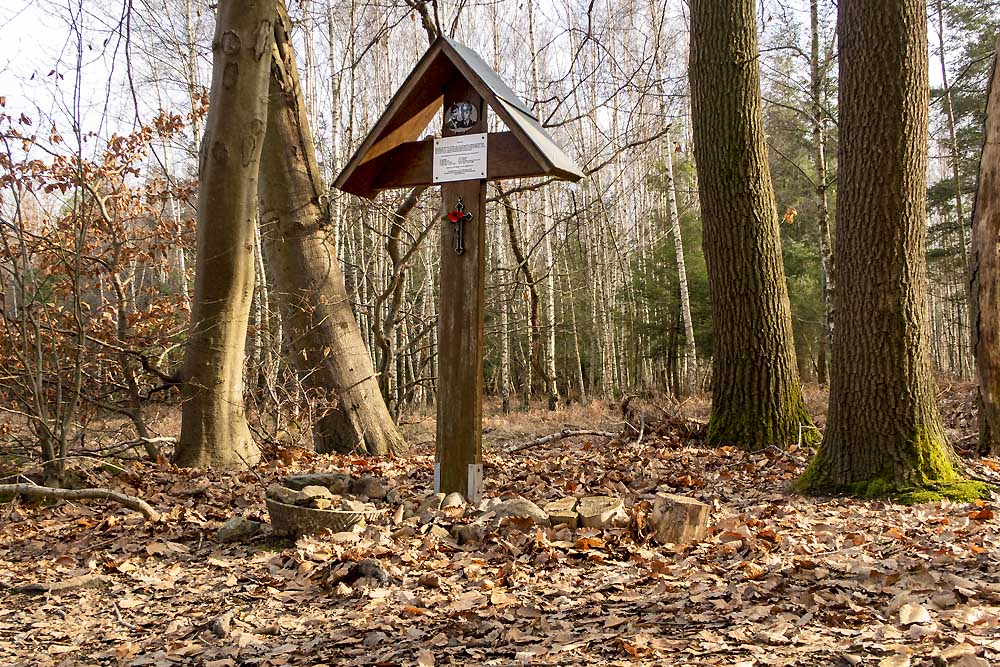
[{"x": 782, "y": 580}]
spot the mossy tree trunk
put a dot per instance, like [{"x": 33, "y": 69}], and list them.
[
  {"x": 756, "y": 396},
  {"x": 884, "y": 434},
  {"x": 214, "y": 429},
  {"x": 984, "y": 266},
  {"x": 323, "y": 340}
]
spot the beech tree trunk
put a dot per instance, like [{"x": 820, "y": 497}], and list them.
[
  {"x": 214, "y": 430},
  {"x": 884, "y": 433},
  {"x": 323, "y": 339},
  {"x": 985, "y": 273},
  {"x": 756, "y": 396}
]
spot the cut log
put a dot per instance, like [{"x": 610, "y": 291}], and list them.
[
  {"x": 679, "y": 520},
  {"x": 601, "y": 512},
  {"x": 562, "y": 511}
]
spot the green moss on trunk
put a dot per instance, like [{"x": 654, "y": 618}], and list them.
[
  {"x": 754, "y": 428},
  {"x": 921, "y": 472}
]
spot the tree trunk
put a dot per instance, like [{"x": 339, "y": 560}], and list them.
[
  {"x": 756, "y": 396},
  {"x": 817, "y": 77},
  {"x": 985, "y": 273},
  {"x": 322, "y": 336},
  {"x": 534, "y": 312},
  {"x": 549, "y": 372},
  {"x": 949, "y": 115},
  {"x": 214, "y": 430},
  {"x": 690, "y": 367},
  {"x": 884, "y": 433}
]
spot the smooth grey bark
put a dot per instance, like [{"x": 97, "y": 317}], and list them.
[{"x": 214, "y": 429}]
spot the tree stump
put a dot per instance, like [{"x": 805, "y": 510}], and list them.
[{"x": 679, "y": 520}]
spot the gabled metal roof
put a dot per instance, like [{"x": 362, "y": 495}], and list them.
[
  {"x": 417, "y": 103},
  {"x": 488, "y": 76}
]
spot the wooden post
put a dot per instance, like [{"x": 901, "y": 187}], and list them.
[{"x": 458, "y": 460}]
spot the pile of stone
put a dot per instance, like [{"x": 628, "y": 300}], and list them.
[
  {"x": 333, "y": 491},
  {"x": 304, "y": 504},
  {"x": 317, "y": 497},
  {"x": 674, "y": 519}
]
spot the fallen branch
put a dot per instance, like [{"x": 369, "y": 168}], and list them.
[
  {"x": 131, "y": 502},
  {"x": 565, "y": 433},
  {"x": 71, "y": 584}
]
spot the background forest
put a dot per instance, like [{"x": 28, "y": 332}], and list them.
[{"x": 601, "y": 285}]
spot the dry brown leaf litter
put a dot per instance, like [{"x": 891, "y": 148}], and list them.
[{"x": 782, "y": 580}]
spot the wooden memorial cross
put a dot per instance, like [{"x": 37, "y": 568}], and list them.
[{"x": 454, "y": 78}]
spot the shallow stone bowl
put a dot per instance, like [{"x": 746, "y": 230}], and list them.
[{"x": 292, "y": 520}]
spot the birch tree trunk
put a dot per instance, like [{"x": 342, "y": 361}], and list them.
[
  {"x": 690, "y": 370},
  {"x": 949, "y": 115},
  {"x": 551, "y": 386},
  {"x": 322, "y": 335},
  {"x": 817, "y": 77},
  {"x": 214, "y": 429},
  {"x": 756, "y": 396}
]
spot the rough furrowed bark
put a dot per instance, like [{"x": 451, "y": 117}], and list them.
[
  {"x": 214, "y": 430},
  {"x": 985, "y": 274},
  {"x": 322, "y": 337},
  {"x": 884, "y": 435},
  {"x": 756, "y": 396}
]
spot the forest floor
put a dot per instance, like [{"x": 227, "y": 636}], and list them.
[{"x": 780, "y": 580}]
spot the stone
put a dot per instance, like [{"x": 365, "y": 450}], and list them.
[
  {"x": 368, "y": 486},
  {"x": 601, "y": 512},
  {"x": 561, "y": 512},
  {"x": 440, "y": 531},
  {"x": 284, "y": 495},
  {"x": 316, "y": 492},
  {"x": 431, "y": 503},
  {"x": 237, "y": 529},
  {"x": 337, "y": 482},
  {"x": 486, "y": 504},
  {"x": 679, "y": 520},
  {"x": 349, "y": 505},
  {"x": 320, "y": 503},
  {"x": 522, "y": 508},
  {"x": 453, "y": 499}
]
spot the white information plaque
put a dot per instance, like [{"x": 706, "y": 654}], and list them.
[{"x": 460, "y": 158}]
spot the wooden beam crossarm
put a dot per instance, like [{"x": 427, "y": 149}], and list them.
[{"x": 410, "y": 164}]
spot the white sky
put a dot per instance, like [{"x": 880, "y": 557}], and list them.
[{"x": 37, "y": 39}]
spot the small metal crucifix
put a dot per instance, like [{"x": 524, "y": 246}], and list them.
[{"x": 458, "y": 217}]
